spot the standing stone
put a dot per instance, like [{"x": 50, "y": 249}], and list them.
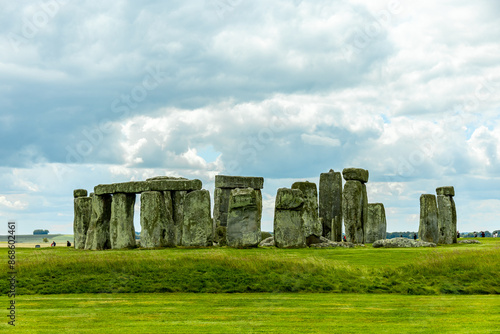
[
  {"x": 154, "y": 225},
  {"x": 376, "y": 224},
  {"x": 177, "y": 198},
  {"x": 428, "y": 229},
  {"x": 352, "y": 208},
  {"x": 101, "y": 215},
  {"x": 121, "y": 230},
  {"x": 174, "y": 233},
  {"x": 312, "y": 224},
  {"x": 244, "y": 216},
  {"x": 330, "y": 204},
  {"x": 197, "y": 226},
  {"x": 447, "y": 215},
  {"x": 288, "y": 219},
  {"x": 221, "y": 205},
  {"x": 83, "y": 212}
]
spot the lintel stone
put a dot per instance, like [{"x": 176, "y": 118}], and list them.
[
  {"x": 142, "y": 186},
  {"x": 356, "y": 174},
  {"x": 447, "y": 191},
  {"x": 232, "y": 182},
  {"x": 79, "y": 193}
]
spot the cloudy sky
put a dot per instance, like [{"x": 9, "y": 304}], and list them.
[{"x": 102, "y": 92}]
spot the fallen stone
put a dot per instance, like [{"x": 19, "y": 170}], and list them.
[
  {"x": 330, "y": 204},
  {"x": 81, "y": 222},
  {"x": 121, "y": 226},
  {"x": 79, "y": 193},
  {"x": 355, "y": 174},
  {"x": 268, "y": 242},
  {"x": 197, "y": 227},
  {"x": 288, "y": 221},
  {"x": 352, "y": 208},
  {"x": 98, "y": 238},
  {"x": 312, "y": 224},
  {"x": 244, "y": 216},
  {"x": 232, "y": 182},
  {"x": 447, "y": 220},
  {"x": 401, "y": 243},
  {"x": 447, "y": 191},
  {"x": 469, "y": 242},
  {"x": 136, "y": 187},
  {"x": 428, "y": 229},
  {"x": 376, "y": 224},
  {"x": 333, "y": 244}
]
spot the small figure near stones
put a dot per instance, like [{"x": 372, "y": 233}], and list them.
[
  {"x": 344, "y": 239},
  {"x": 53, "y": 244},
  {"x": 68, "y": 244},
  {"x": 475, "y": 234},
  {"x": 482, "y": 234},
  {"x": 414, "y": 236},
  {"x": 458, "y": 234}
]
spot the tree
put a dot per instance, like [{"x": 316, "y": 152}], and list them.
[{"x": 45, "y": 240}]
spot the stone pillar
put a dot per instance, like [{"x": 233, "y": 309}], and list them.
[
  {"x": 98, "y": 232},
  {"x": 288, "y": 219},
  {"x": 330, "y": 204},
  {"x": 244, "y": 216},
  {"x": 82, "y": 210},
  {"x": 355, "y": 204},
  {"x": 177, "y": 198},
  {"x": 447, "y": 215},
  {"x": 376, "y": 224},
  {"x": 154, "y": 220},
  {"x": 122, "y": 232},
  {"x": 197, "y": 225},
  {"x": 428, "y": 229},
  {"x": 312, "y": 225},
  {"x": 223, "y": 186}
]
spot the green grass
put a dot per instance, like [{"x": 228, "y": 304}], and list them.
[
  {"x": 454, "y": 269},
  {"x": 58, "y": 238},
  {"x": 255, "y": 313}
]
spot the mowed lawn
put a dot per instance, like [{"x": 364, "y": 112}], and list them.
[{"x": 256, "y": 313}]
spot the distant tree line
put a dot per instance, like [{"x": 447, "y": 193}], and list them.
[
  {"x": 406, "y": 234},
  {"x": 487, "y": 234},
  {"x": 37, "y": 232}
]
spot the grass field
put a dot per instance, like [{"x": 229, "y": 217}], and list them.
[
  {"x": 29, "y": 241},
  {"x": 256, "y": 313},
  {"x": 447, "y": 289}
]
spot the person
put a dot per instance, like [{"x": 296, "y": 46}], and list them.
[
  {"x": 53, "y": 244},
  {"x": 345, "y": 240},
  {"x": 414, "y": 236},
  {"x": 475, "y": 234},
  {"x": 68, "y": 244},
  {"x": 482, "y": 234},
  {"x": 458, "y": 234}
]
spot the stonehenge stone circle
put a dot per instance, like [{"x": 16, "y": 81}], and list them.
[
  {"x": 121, "y": 229},
  {"x": 428, "y": 229},
  {"x": 156, "y": 224},
  {"x": 223, "y": 186},
  {"x": 83, "y": 212},
  {"x": 311, "y": 222},
  {"x": 355, "y": 204},
  {"x": 447, "y": 215},
  {"x": 376, "y": 224},
  {"x": 135, "y": 187},
  {"x": 288, "y": 219},
  {"x": 197, "y": 223},
  {"x": 330, "y": 204},
  {"x": 244, "y": 216},
  {"x": 177, "y": 199},
  {"x": 98, "y": 233}
]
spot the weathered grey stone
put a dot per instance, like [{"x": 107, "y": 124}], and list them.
[
  {"x": 469, "y": 242},
  {"x": 177, "y": 205},
  {"x": 136, "y": 187},
  {"x": 401, "y": 243},
  {"x": 288, "y": 220},
  {"x": 376, "y": 224},
  {"x": 79, "y": 193},
  {"x": 156, "y": 227},
  {"x": 232, "y": 182},
  {"x": 174, "y": 231},
  {"x": 81, "y": 222},
  {"x": 268, "y": 242},
  {"x": 197, "y": 227},
  {"x": 221, "y": 206},
  {"x": 330, "y": 204},
  {"x": 447, "y": 191},
  {"x": 220, "y": 234},
  {"x": 447, "y": 220},
  {"x": 244, "y": 216},
  {"x": 98, "y": 232},
  {"x": 355, "y": 174},
  {"x": 162, "y": 178},
  {"x": 121, "y": 226},
  {"x": 428, "y": 229},
  {"x": 91, "y": 195},
  {"x": 312, "y": 224},
  {"x": 353, "y": 202},
  {"x": 333, "y": 244}
]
